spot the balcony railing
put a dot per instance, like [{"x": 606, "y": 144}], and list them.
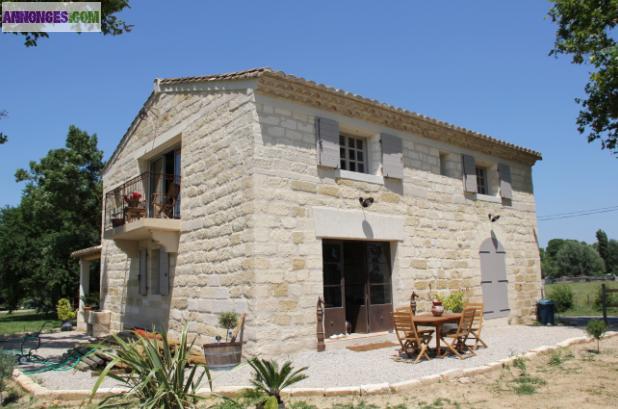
[{"x": 153, "y": 195}]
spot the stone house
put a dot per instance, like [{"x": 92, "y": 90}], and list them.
[{"x": 258, "y": 192}]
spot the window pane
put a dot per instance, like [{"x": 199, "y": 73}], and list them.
[
  {"x": 342, "y": 153},
  {"x": 359, "y": 144},
  {"x": 343, "y": 166},
  {"x": 341, "y": 140},
  {"x": 359, "y": 156},
  {"x": 352, "y": 154},
  {"x": 332, "y": 274},
  {"x": 332, "y": 296},
  {"x": 352, "y": 167},
  {"x": 381, "y": 294},
  {"x": 361, "y": 168},
  {"x": 332, "y": 253}
]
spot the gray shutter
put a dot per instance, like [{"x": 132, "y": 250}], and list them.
[
  {"x": 164, "y": 269},
  {"x": 469, "y": 173},
  {"x": 392, "y": 156},
  {"x": 327, "y": 138},
  {"x": 506, "y": 190},
  {"x": 143, "y": 272}
]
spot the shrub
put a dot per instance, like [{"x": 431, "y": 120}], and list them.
[
  {"x": 7, "y": 364},
  {"x": 453, "y": 302},
  {"x": 562, "y": 296},
  {"x": 271, "y": 380},
  {"x": 612, "y": 298},
  {"x": 596, "y": 329},
  {"x": 159, "y": 375},
  {"x": 65, "y": 310}
]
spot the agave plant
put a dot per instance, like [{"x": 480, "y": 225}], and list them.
[
  {"x": 271, "y": 380},
  {"x": 159, "y": 374}
]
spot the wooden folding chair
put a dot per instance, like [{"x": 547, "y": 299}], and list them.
[
  {"x": 477, "y": 326},
  {"x": 412, "y": 341},
  {"x": 458, "y": 339}
]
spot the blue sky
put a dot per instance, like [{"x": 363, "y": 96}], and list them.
[{"x": 482, "y": 65}]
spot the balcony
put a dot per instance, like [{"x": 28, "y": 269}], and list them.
[{"x": 144, "y": 208}]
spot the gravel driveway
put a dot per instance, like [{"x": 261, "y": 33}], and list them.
[{"x": 338, "y": 367}]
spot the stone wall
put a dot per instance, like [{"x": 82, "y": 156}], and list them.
[
  {"x": 212, "y": 272},
  {"x": 250, "y": 181},
  {"x": 444, "y": 227}
]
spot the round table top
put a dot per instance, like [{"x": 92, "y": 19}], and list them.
[{"x": 430, "y": 319}]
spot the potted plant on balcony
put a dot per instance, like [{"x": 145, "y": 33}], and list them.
[
  {"x": 133, "y": 199},
  {"x": 226, "y": 354}
]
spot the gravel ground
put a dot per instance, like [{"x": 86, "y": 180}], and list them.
[{"x": 338, "y": 367}]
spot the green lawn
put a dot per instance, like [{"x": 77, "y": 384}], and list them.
[
  {"x": 584, "y": 296},
  {"x": 26, "y": 321}
]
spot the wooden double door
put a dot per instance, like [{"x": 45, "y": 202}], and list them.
[{"x": 357, "y": 286}]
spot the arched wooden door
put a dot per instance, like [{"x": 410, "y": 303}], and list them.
[{"x": 493, "y": 279}]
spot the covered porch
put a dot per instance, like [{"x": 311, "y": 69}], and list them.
[{"x": 91, "y": 318}]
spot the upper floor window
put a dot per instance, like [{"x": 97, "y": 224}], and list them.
[
  {"x": 481, "y": 181},
  {"x": 353, "y": 153}
]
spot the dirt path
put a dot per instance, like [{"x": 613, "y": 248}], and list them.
[{"x": 573, "y": 377}]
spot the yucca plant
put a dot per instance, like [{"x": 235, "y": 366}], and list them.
[
  {"x": 271, "y": 380},
  {"x": 159, "y": 375}
]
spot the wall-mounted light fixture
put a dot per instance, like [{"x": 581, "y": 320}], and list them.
[{"x": 365, "y": 202}]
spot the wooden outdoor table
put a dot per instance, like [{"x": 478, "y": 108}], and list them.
[{"x": 429, "y": 320}]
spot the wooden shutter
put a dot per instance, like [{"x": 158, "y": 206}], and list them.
[
  {"x": 164, "y": 269},
  {"x": 469, "y": 173},
  {"x": 506, "y": 190},
  {"x": 392, "y": 156},
  {"x": 327, "y": 138},
  {"x": 142, "y": 276}
]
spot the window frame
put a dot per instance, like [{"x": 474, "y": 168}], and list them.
[
  {"x": 344, "y": 153},
  {"x": 482, "y": 181}
]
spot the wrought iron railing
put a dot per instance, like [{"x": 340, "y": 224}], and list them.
[{"x": 154, "y": 195}]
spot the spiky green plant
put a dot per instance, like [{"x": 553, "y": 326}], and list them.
[
  {"x": 159, "y": 374},
  {"x": 268, "y": 378}
]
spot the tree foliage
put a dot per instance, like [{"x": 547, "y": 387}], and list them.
[
  {"x": 59, "y": 212},
  {"x": 603, "y": 247},
  {"x": 3, "y": 137},
  {"x": 586, "y": 32},
  {"x": 110, "y": 23},
  {"x": 571, "y": 258}
]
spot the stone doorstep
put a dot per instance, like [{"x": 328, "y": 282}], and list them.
[{"x": 28, "y": 385}]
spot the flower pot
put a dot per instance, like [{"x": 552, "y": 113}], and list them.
[
  {"x": 223, "y": 354},
  {"x": 67, "y": 326},
  {"x": 437, "y": 309}
]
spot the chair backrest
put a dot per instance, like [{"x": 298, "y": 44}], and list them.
[
  {"x": 466, "y": 321},
  {"x": 478, "y": 318},
  {"x": 404, "y": 323}
]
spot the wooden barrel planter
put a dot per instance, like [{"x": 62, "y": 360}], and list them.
[
  {"x": 223, "y": 354},
  {"x": 226, "y": 354}
]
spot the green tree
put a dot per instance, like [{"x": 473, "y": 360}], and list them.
[
  {"x": 3, "y": 137},
  {"x": 612, "y": 257},
  {"x": 576, "y": 259},
  {"x": 15, "y": 256},
  {"x": 603, "y": 248},
  {"x": 586, "y": 32},
  {"x": 59, "y": 212},
  {"x": 110, "y": 23}
]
